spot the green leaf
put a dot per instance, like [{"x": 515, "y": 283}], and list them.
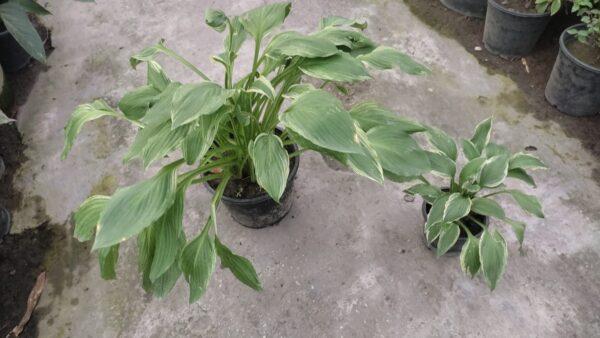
[
  {"x": 197, "y": 262},
  {"x": 525, "y": 161},
  {"x": 136, "y": 103},
  {"x": 493, "y": 254},
  {"x": 436, "y": 213},
  {"x": 263, "y": 86},
  {"x": 494, "y": 171},
  {"x": 145, "y": 55},
  {"x": 165, "y": 282},
  {"x": 261, "y": 20},
  {"x": 33, "y": 7},
  {"x": 457, "y": 206},
  {"x": 447, "y": 238},
  {"x": 387, "y": 58},
  {"x": 298, "y": 89},
  {"x": 470, "y": 150},
  {"x": 348, "y": 39},
  {"x": 271, "y": 164},
  {"x": 216, "y": 19},
  {"x": 334, "y": 21},
  {"x": 442, "y": 142},
  {"x": 366, "y": 164},
  {"x": 433, "y": 232},
  {"x": 522, "y": 175},
  {"x": 82, "y": 114},
  {"x": 528, "y": 203},
  {"x": 157, "y": 77},
  {"x": 146, "y": 242},
  {"x": 340, "y": 67},
  {"x": 398, "y": 152},
  {"x": 518, "y": 229},
  {"x": 160, "y": 111},
  {"x": 427, "y": 191},
  {"x": 370, "y": 114},
  {"x": 164, "y": 140},
  {"x": 493, "y": 149},
  {"x": 199, "y": 140},
  {"x": 471, "y": 171},
  {"x": 482, "y": 135},
  {"x": 241, "y": 268},
  {"x": 238, "y": 36},
  {"x": 441, "y": 164},
  {"x": 469, "y": 257},
  {"x": 87, "y": 216},
  {"x": 487, "y": 207},
  {"x": 191, "y": 101},
  {"x": 108, "y": 260},
  {"x": 555, "y": 7},
  {"x": 296, "y": 44},
  {"x": 17, "y": 23},
  {"x": 4, "y": 119},
  {"x": 136, "y": 207},
  {"x": 320, "y": 118}
]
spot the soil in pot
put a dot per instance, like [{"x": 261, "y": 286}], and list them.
[
  {"x": 584, "y": 52},
  {"x": 521, "y": 6}
]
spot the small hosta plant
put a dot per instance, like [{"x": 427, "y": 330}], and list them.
[
  {"x": 470, "y": 191},
  {"x": 226, "y": 130},
  {"x": 548, "y": 6},
  {"x": 589, "y": 12}
]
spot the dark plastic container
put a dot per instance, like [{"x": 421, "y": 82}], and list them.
[
  {"x": 5, "y": 222},
  {"x": 512, "y": 34},
  {"x": 262, "y": 211},
  {"x": 462, "y": 238},
  {"x": 473, "y": 8},
  {"x": 574, "y": 86},
  {"x": 6, "y": 95},
  {"x": 12, "y": 56}
]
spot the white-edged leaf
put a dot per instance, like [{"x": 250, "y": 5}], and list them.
[
  {"x": 518, "y": 228},
  {"x": 271, "y": 164},
  {"x": 298, "y": 89},
  {"x": 349, "y": 39},
  {"x": 436, "y": 213},
  {"x": 487, "y": 207},
  {"x": 201, "y": 137},
  {"x": 261, "y": 20},
  {"x": 525, "y": 161},
  {"x": 295, "y": 44},
  {"x": 191, "y": 101},
  {"x": 528, "y": 203},
  {"x": 157, "y": 77},
  {"x": 494, "y": 171},
  {"x": 493, "y": 254},
  {"x": 469, "y": 257},
  {"x": 482, "y": 135},
  {"x": 442, "y": 164},
  {"x": 471, "y": 171},
  {"x": 522, "y": 175},
  {"x": 370, "y": 114},
  {"x": 335, "y": 21},
  {"x": 263, "y": 86},
  {"x": 340, "y": 67},
  {"x": 470, "y": 150},
  {"x": 457, "y": 206},
  {"x": 448, "y": 236},
  {"x": 442, "y": 142},
  {"x": 384, "y": 57}
]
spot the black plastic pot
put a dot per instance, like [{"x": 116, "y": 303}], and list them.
[
  {"x": 574, "y": 86},
  {"x": 12, "y": 56},
  {"x": 512, "y": 34},
  {"x": 462, "y": 238},
  {"x": 262, "y": 211},
  {"x": 474, "y": 8},
  {"x": 4, "y": 222}
]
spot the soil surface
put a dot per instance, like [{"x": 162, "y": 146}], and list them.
[
  {"x": 584, "y": 52},
  {"x": 530, "y": 73},
  {"x": 521, "y": 6}
]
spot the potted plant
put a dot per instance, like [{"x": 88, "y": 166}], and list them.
[
  {"x": 457, "y": 214},
  {"x": 574, "y": 84},
  {"x": 238, "y": 138},
  {"x": 474, "y": 8},
  {"x": 513, "y": 27}
]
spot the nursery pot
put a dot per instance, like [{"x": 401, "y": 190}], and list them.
[
  {"x": 574, "y": 86},
  {"x": 462, "y": 238},
  {"x": 12, "y": 56},
  {"x": 474, "y": 8},
  {"x": 509, "y": 33},
  {"x": 4, "y": 222},
  {"x": 262, "y": 211}
]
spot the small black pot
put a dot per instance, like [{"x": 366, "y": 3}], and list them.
[
  {"x": 512, "y": 34},
  {"x": 12, "y": 56},
  {"x": 462, "y": 238},
  {"x": 473, "y": 8},
  {"x": 574, "y": 86},
  {"x": 262, "y": 211}
]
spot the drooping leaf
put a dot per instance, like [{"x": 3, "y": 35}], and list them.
[
  {"x": 136, "y": 103},
  {"x": 263, "y": 86},
  {"x": 448, "y": 236},
  {"x": 108, "y": 261},
  {"x": 493, "y": 254},
  {"x": 433, "y": 232},
  {"x": 160, "y": 111},
  {"x": 298, "y": 89},
  {"x": 469, "y": 257},
  {"x": 442, "y": 142},
  {"x": 197, "y": 262},
  {"x": 429, "y": 192},
  {"x": 494, "y": 171},
  {"x": 470, "y": 150},
  {"x": 528, "y": 203},
  {"x": 320, "y": 118},
  {"x": 482, "y": 135},
  {"x": 82, "y": 114},
  {"x": 487, "y": 207},
  {"x": 133, "y": 208},
  {"x": 471, "y": 171},
  {"x": 216, "y": 19},
  {"x": 457, "y": 206},
  {"x": 146, "y": 243},
  {"x": 442, "y": 164},
  {"x": 165, "y": 282},
  {"x": 335, "y": 21},
  {"x": 238, "y": 36},
  {"x": 17, "y": 23},
  {"x": 384, "y": 57},
  {"x": 493, "y": 149},
  {"x": 340, "y": 67},
  {"x": 398, "y": 152},
  {"x": 157, "y": 77},
  {"x": 191, "y": 101},
  {"x": 436, "y": 213},
  {"x": 87, "y": 216},
  {"x": 261, "y": 20},
  {"x": 271, "y": 164},
  {"x": 241, "y": 267},
  {"x": 525, "y": 161},
  {"x": 370, "y": 114},
  {"x": 518, "y": 229},
  {"x": 295, "y": 44},
  {"x": 164, "y": 140},
  {"x": 201, "y": 137},
  {"x": 522, "y": 175},
  {"x": 347, "y": 39},
  {"x": 366, "y": 164},
  {"x": 33, "y": 7}
]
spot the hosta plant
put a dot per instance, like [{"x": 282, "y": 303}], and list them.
[
  {"x": 469, "y": 194},
  {"x": 548, "y": 6},
  {"x": 589, "y": 12},
  {"x": 222, "y": 131}
]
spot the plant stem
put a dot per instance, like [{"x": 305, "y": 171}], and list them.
[
  {"x": 185, "y": 62},
  {"x": 495, "y": 193},
  {"x": 207, "y": 178},
  {"x": 464, "y": 227},
  {"x": 483, "y": 226},
  {"x": 217, "y": 198}
]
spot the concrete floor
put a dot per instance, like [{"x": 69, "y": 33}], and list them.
[{"x": 349, "y": 259}]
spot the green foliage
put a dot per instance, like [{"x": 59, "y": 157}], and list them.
[
  {"x": 228, "y": 131},
  {"x": 548, "y": 6},
  {"x": 589, "y": 13},
  {"x": 483, "y": 176}
]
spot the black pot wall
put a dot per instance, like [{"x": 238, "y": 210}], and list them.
[
  {"x": 474, "y": 8},
  {"x": 263, "y": 211},
  {"x": 512, "y": 34},
  {"x": 12, "y": 56},
  {"x": 573, "y": 87}
]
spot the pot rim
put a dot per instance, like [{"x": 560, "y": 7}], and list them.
[
  {"x": 264, "y": 196},
  {"x": 566, "y": 37},
  {"x": 499, "y": 7}
]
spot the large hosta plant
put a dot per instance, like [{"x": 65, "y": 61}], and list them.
[
  {"x": 470, "y": 192},
  {"x": 227, "y": 131}
]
